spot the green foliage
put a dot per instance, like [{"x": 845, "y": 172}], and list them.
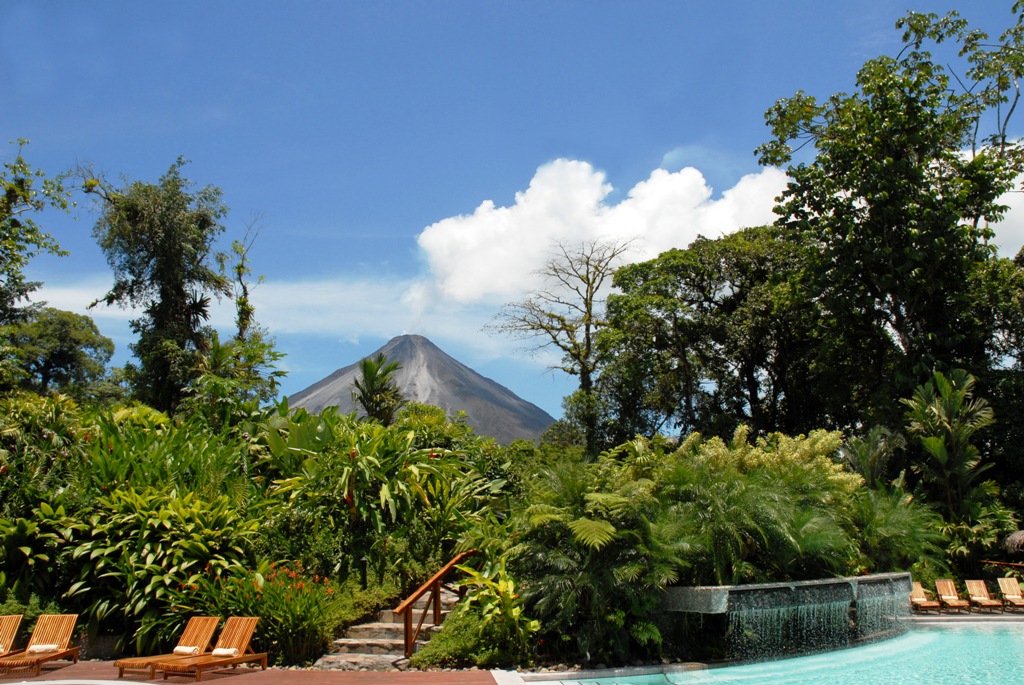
[
  {"x": 463, "y": 642},
  {"x": 722, "y": 333},
  {"x": 30, "y": 554},
  {"x": 944, "y": 415},
  {"x": 373, "y": 483},
  {"x": 896, "y": 531},
  {"x": 40, "y": 450},
  {"x": 158, "y": 241},
  {"x": 909, "y": 172},
  {"x": 141, "y": 448},
  {"x": 60, "y": 351},
  {"x": 434, "y": 428},
  {"x": 298, "y": 612},
  {"x": 982, "y": 525},
  {"x": 375, "y": 389},
  {"x": 24, "y": 191},
  {"x": 234, "y": 377},
  {"x": 591, "y": 544},
  {"x": 492, "y": 593},
  {"x": 137, "y": 546},
  {"x": 592, "y": 548},
  {"x": 775, "y": 509},
  {"x": 870, "y": 456}
]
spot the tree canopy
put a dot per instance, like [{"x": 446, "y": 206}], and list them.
[
  {"x": 158, "y": 239},
  {"x": 24, "y": 192},
  {"x": 59, "y": 350},
  {"x": 908, "y": 173}
]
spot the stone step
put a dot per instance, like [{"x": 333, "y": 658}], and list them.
[
  {"x": 380, "y": 645},
  {"x": 372, "y": 631},
  {"x": 375, "y": 632},
  {"x": 448, "y": 600},
  {"x": 389, "y": 616},
  {"x": 361, "y": 662}
]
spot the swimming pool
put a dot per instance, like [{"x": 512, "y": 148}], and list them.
[{"x": 979, "y": 654}]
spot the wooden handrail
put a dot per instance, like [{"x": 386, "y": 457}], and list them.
[
  {"x": 434, "y": 587},
  {"x": 1004, "y": 563}
]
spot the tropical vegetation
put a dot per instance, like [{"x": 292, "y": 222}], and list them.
[{"x": 835, "y": 394}]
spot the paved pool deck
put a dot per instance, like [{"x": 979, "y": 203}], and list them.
[
  {"x": 100, "y": 672},
  {"x": 105, "y": 673}
]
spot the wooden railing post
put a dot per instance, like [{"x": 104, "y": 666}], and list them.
[
  {"x": 434, "y": 587},
  {"x": 437, "y": 602},
  {"x": 410, "y": 637}
]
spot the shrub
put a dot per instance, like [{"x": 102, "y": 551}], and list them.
[
  {"x": 299, "y": 614},
  {"x": 492, "y": 592},
  {"x": 40, "y": 450},
  {"x": 30, "y": 610},
  {"x": 462, "y": 642},
  {"x": 135, "y": 547}
]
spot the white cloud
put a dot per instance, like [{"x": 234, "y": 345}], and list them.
[
  {"x": 493, "y": 254},
  {"x": 476, "y": 262},
  {"x": 1010, "y": 231}
]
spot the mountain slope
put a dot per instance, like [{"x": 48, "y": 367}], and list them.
[{"x": 430, "y": 376}]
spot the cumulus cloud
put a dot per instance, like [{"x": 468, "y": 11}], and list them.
[
  {"x": 477, "y": 261},
  {"x": 493, "y": 253}
]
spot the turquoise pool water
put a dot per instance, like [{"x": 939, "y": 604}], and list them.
[{"x": 942, "y": 655}]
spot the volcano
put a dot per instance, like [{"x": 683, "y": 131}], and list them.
[{"x": 430, "y": 376}]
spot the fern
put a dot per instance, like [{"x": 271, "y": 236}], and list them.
[{"x": 592, "y": 533}]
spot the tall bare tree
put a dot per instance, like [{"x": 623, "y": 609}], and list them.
[{"x": 567, "y": 312}]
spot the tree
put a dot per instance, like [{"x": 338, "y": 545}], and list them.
[
  {"x": 375, "y": 390},
  {"x": 238, "y": 374},
  {"x": 723, "y": 333},
  {"x": 158, "y": 239},
  {"x": 944, "y": 415},
  {"x": 908, "y": 173},
  {"x": 234, "y": 378},
  {"x": 61, "y": 351},
  {"x": 24, "y": 191},
  {"x": 568, "y": 313}
]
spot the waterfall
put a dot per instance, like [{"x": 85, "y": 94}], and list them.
[
  {"x": 882, "y": 610},
  {"x": 796, "y": 619},
  {"x": 773, "y": 620}
]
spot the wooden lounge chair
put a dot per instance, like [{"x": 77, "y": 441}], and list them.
[
  {"x": 8, "y": 629},
  {"x": 49, "y": 642},
  {"x": 1010, "y": 589},
  {"x": 919, "y": 600},
  {"x": 978, "y": 592},
  {"x": 194, "y": 641},
  {"x": 232, "y": 648},
  {"x": 948, "y": 596}
]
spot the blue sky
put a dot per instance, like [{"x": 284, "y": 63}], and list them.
[{"x": 413, "y": 162}]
